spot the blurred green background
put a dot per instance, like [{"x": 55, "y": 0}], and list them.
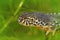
[{"x": 10, "y": 29}]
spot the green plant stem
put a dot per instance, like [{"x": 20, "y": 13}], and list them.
[{"x": 12, "y": 17}]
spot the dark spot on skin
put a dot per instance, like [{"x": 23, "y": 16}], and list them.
[
  {"x": 32, "y": 19},
  {"x": 36, "y": 22},
  {"x": 53, "y": 28}
]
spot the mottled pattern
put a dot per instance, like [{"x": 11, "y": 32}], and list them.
[
  {"x": 43, "y": 20},
  {"x": 35, "y": 18}
]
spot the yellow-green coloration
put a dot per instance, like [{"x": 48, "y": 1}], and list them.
[{"x": 10, "y": 10}]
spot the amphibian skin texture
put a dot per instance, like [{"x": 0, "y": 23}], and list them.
[{"x": 43, "y": 21}]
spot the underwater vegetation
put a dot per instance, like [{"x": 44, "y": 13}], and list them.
[{"x": 11, "y": 10}]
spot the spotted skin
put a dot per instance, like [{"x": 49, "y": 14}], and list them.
[{"x": 40, "y": 20}]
